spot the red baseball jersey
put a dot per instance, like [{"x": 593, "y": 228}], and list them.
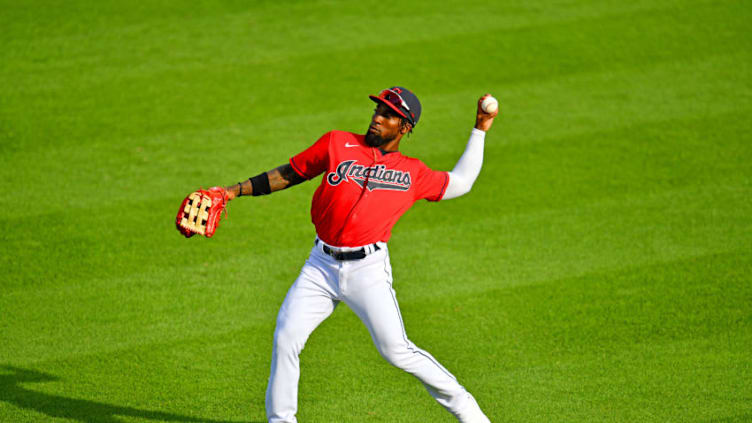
[{"x": 364, "y": 191}]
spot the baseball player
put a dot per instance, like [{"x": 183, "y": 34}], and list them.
[{"x": 367, "y": 185}]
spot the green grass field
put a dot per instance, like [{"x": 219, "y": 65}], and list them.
[{"x": 599, "y": 271}]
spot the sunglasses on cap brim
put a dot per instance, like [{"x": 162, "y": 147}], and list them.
[{"x": 395, "y": 100}]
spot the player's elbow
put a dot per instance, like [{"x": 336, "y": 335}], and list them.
[{"x": 458, "y": 186}]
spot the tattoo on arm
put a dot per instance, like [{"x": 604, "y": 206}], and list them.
[
  {"x": 279, "y": 178},
  {"x": 284, "y": 177}
]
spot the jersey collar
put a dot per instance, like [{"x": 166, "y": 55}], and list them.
[{"x": 384, "y": 152}]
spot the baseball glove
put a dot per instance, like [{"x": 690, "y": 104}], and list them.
[{"x": 201, "y": 211}]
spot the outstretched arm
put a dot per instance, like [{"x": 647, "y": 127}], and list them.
[
  {"x": 279, "y": 178},
  {"x": 465, "y": 172}
]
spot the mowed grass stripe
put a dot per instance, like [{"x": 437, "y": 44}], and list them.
[
  {"x": 141, "y": 237},
  {"x": 117, "y": 313},
  {"x": 643, "y": 159},
  {"x": 50, "y": 23},
  {"x": 148, "y": 99},
  {"x": 521, "y": 248},
  {"x": 604, "y": 311},
  {"x": 180, "y": 36}
]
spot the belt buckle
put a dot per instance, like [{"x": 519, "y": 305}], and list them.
[
  {"x": 331, "y": 252},
  {"x": 362, "y": 253}
]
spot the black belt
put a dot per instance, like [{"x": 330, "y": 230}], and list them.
[{"x": 347, "y": 255}]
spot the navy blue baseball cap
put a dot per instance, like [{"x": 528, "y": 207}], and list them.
[{"x": 402, "y": 101}]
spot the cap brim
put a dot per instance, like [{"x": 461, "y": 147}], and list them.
[{"x": 376, "y": 99}]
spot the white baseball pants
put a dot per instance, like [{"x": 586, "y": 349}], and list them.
[{"x": 365, "y": 285}]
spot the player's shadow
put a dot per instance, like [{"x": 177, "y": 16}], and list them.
[{"x": 80, "y": 410}]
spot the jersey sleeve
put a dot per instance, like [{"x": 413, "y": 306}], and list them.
[
  {"x": 431, "y": 184},
  {"x": 312, "y": 161}
]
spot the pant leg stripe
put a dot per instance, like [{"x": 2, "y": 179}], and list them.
[{"x": 404, "y": 332}]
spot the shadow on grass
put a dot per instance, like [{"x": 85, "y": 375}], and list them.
[
  {"x": 84, "y": 411},
  {"x": 733, "y": 419}
]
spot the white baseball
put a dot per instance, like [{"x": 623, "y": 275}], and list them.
[{"x": 489, "y": 104}]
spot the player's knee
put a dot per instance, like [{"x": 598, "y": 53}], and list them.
[
  {"x": 288, "y": 340},
  {"x": 394, "y": 353}
]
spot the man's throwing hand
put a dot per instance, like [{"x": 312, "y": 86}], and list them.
[{"x": 483, "y": 120}]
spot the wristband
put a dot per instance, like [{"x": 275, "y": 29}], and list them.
[
  {"x": 240, "y": 189},
  {"x": 261, "y": 185}
]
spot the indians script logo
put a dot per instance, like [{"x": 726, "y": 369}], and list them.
[{"x": 378, "y": 177}]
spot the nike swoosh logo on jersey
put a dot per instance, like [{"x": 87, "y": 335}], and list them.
[{"x": 347, "y": 144}]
